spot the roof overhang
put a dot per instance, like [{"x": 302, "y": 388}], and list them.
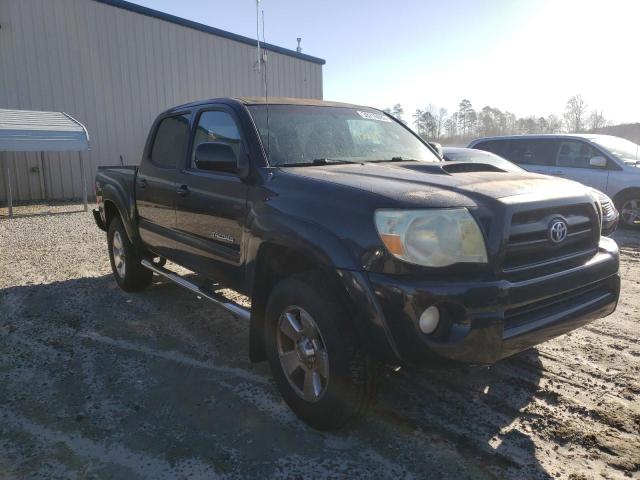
[
  {"x": 149, "y": 12},
  {"x": 33, "y": 131}
]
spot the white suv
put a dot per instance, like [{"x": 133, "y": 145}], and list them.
[{"x": 606, "y": 163}]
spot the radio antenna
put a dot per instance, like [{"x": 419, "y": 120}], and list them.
[
  {"x": 258, "y": 31},
  {"x": 266, "y": 89}
]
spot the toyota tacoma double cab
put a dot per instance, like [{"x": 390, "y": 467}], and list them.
[{"x": 357, "y": 246}]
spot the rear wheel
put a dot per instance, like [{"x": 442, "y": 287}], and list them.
[
  {"x": 629, "y": 207},
  {"x": 321, "y": 371},
  {"x": 130, "y": 275}
]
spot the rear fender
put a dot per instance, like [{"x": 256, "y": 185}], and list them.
[{"x": 125, "y": 205}]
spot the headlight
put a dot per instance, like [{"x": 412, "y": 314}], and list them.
[
  {"x": 606, "y": 205},
  {"x": 432, "y": 238}
]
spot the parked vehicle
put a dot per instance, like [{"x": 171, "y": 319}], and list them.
[
  {"x": 458, "y": 154},
  {"x": 610, "y": 214},
  {"x": 606, "y": 163},
  {"x": 357, "y": 245}
]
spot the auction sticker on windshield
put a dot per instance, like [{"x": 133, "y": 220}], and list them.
[{"x": 374, "y": 116}]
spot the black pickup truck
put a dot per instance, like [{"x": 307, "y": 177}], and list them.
[{"x": 356, "y": 244}]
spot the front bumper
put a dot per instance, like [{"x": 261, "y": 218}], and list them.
[{"x": 484, "y": 321}]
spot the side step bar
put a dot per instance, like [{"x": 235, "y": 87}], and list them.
[{"x": 235, "y": 309}]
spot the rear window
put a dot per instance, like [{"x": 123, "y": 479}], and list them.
[{"x": 170, "y": 142}]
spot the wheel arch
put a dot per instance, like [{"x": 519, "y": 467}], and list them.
[
  {"x": 623, "y": 193},
  {"x": 273, "y": 262},
  {"x": 276, "y": 261}
]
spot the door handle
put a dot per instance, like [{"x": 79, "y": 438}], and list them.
[
  {"x": 142, "y": 183},
  {"x": 182, "y": 190}
]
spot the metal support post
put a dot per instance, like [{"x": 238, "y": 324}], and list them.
[
  {"x": 7, "y": 183},
  {"x": 43, "y": 190},
  {"x": 84, "y": 182}
]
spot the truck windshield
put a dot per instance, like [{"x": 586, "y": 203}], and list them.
[
  {"x": 312, "y": 135},
  {"x": 624, "y": 150}
]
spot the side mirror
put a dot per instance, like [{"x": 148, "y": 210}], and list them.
[
  {"x": 598, "y": 161},
  {"x": 437, "y": 147},
  {"x": 216, "y": 156}
]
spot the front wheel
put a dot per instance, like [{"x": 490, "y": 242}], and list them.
[
  {"x": 629, "y": 207},
  {"x": 130, "y": 275},
  {"x": 321, "y": 371}
]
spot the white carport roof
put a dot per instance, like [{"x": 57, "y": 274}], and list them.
[{"x": 33, "y": 131}]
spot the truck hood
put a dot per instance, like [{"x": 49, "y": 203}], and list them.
[{"x": 445, "y": 184}]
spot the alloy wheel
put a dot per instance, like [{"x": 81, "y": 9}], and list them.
[
  {"x": 302, "y": 352},
  {"x": 630, "y": 212},
  {"x": 118, "y": 254}
]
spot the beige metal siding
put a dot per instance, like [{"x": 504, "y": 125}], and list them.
[{"x": 115, "y": 70}]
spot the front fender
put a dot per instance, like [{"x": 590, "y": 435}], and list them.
[{"x": 318, "y": 244}]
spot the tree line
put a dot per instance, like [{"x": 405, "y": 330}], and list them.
[{"x": 436, "y": 123}]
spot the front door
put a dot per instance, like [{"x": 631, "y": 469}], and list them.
[
  {"x": 156, "y": 184},
  {"x": 572, "y": 162},
  {"x": 211, "y": 206}
]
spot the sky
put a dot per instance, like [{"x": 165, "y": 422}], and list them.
[{"x": 524, "y": 56}]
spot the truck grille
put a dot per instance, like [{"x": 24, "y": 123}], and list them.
[{"x": 529, "y": 245}]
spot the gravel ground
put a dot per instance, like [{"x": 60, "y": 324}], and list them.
[{"x": 98, "y": 383}]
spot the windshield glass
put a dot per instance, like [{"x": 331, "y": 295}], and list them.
[
  {"x": 479, "y": 156},
  {"x": 625, "y": 150},
  {"x": 301, "y": 134}
]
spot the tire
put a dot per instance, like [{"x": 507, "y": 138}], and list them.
[
  {"x": 342, "y": 378},
  {"x": 130, "y": 275},
  {"x": 628, "y": 204}
]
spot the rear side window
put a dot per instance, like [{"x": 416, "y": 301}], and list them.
[
  {"x": 216, "y": 126},
  {"x": 531, "y": 151},
  {"x": 493, "y": 146},
  {"x": 170, "y": 142},
  {"x": 574, "y": 153}
]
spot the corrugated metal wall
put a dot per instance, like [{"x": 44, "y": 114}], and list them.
[{"x": 115, "y": 70}]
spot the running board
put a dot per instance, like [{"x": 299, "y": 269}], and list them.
[{"x": 235, "y": 309}]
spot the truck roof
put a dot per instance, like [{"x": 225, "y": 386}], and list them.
[
  {"x": 294, "y": 101},
  {"x": 271, "y": 101},
  {"x": 586, "y": 136}
]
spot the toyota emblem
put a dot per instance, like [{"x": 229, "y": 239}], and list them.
[{"x": 558, "y": 230}]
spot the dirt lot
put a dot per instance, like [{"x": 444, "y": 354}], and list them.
[{"x": 97, "y": 383}]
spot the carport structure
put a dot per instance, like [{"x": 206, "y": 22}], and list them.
[{"x": 34, "y": 131}]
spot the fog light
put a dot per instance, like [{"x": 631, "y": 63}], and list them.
[{"x": 429, "y": 320}]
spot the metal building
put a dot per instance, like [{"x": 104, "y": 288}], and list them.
[{"x": 114, "y": 66}]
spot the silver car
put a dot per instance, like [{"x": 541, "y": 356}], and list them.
[{"x": 606, "y": 163}]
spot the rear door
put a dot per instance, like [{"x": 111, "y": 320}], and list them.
[
  {"x": 156, "y": 183},
  {"x": 572, "y": 162},
  {"x": 211, "y": 205},
  {"x": 532, "y": 154}
]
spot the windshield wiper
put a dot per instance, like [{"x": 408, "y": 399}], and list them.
[
  {"x": 318, "y": 161},
  {"x": 395, "y": 159},
  {"x": 327, "y": 161}
]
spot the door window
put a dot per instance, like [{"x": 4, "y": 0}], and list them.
[
  {"x": 575, "y": 154},
  {"x": 170, "y": 142},
  {"x": 530, "y": 152},
  {"x": 216, "y": 126}
]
